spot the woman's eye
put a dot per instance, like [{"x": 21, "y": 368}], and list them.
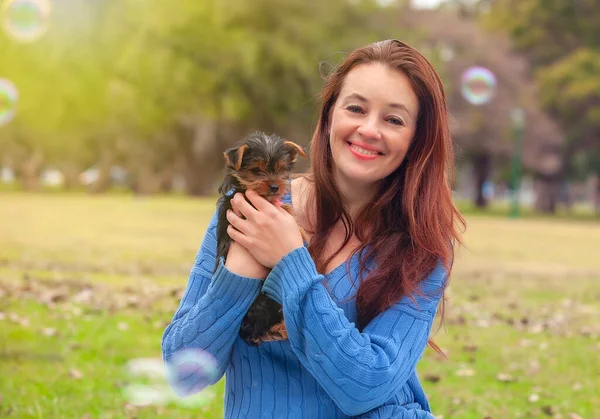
[
  {"x": 395, "y": 121},
  {"x": 354, "y": 109}
]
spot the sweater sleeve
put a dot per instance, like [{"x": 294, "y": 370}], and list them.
[
  {"x": 209, "y": 315},
  {"x": 359, "y": 371}
]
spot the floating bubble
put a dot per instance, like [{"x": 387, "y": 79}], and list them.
[
  {"x": 478, "y": 85},
  {"x": 153, "y": 388},
  {"x": 143, "y": 395},
  {"x": 147, "y": 367},
  {"x": 203, "y": 398},
  {"x": 8, "y": 100},
  {"x": 26, "y": 20},
  {"x": 191, "y": 370}
]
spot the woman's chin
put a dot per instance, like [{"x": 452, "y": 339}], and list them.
[{"x": 359, "y": 177}]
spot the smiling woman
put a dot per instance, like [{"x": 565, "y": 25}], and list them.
[
  {"x": 377, "y": 199},
  {"x": 367, "y": 125}
]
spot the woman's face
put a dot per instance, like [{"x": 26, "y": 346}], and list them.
[{"x": 372, "y": 124}]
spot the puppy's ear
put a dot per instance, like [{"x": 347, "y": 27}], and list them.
[
  {"x": 233, "y": 156},
  {"x": 295, "y": 149}
]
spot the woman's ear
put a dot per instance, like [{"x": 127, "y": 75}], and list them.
[{"x": 233, "y": 156}]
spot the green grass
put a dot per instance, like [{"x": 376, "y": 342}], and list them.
[{"x": 523, "y": 303}]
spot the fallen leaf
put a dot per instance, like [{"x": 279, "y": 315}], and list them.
[
  {"x": 577, "y": 386},
  {"x": 483, "y": 323},
  {"x": 574, "y": 416},
  {"x": 536, "y": 329},
  {"x": 75, "y": 374},
  {"x": 122, "y": 326},
  {"x": 48, "y": 331},
  {"x": 534, "y": 367},
  {"x": 533, "y": 398},
  {"x": 465, "y": 372},
  {"x": 432, "y": 378},
  {"x": 83, "y": 297},
  {"x": 525, "y": 343},
  {"x": 548, "y": 410},
  {"x": 505, "y": 378}
]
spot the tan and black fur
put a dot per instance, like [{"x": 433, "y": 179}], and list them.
[{"x": 263, "y": 163}]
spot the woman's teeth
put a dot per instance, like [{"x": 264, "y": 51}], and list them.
[{"x": 363, "y": 151}]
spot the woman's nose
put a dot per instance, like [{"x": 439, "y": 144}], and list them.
[{"x": 369, "y": 129}]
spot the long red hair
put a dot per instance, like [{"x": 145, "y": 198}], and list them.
[{"x": 413, "y": 223}]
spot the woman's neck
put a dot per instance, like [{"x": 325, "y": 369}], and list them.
[{"x": 355, "y": 196}]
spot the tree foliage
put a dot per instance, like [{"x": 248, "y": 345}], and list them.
[
  {"x": 561, "y": 38},
  {"x": 164, "y": 87}
]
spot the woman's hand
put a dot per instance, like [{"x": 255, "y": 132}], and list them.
[
  {"x": 269, "y": 232},
  {"x": 242, "y": 263}
]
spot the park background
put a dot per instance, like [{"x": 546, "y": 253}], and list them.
[{"x": 114, "y": 115}]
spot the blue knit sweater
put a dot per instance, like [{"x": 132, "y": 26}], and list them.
[{"x": 327, "y": 368}]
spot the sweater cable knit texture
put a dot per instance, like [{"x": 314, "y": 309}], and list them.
[{"x": 327, "y": 368}]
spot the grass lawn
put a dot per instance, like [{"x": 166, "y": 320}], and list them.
[{"x": 88, "y": 283}]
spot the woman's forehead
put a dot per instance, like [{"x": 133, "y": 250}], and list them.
[{"x": 378, "y": 83}]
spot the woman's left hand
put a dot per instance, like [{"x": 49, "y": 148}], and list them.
[{"x": 269, "y": 232}]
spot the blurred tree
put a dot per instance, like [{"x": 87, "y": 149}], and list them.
[
  {"x": 163, "y": 88},
  {"x": 562, "y": 40},
  {"x": 62, "y": 80},
  {"x": 454, "y": 41}
]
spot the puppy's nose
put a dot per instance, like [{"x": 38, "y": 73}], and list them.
[{"x": 274, "y": 187}]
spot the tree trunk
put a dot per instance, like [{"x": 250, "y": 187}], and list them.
[
  {"x": 103, "y": 183},
  {"x": 547, "y": 190},
  {"x": 594, "y": 188},
  {"x": 481, "y": 171},
  {"x": 147, "y": 182},
  {"x": 201, "y": 156},
  {"x": 30, "y": 171},
  {"x": 71, "y": 173}
]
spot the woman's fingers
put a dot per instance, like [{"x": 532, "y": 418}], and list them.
[
  {"x": 258, "y": 201},
  {"x": 234, "y": 209},
  {"x": 236, "y": 236},
  {"x": 244, "y": 208},
  {"x": 236, "y": 221}
]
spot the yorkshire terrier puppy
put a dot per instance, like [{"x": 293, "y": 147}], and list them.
[{"x": 263, "y": 163}]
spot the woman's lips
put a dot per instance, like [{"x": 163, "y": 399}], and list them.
[{"x": 361, "y": 156}]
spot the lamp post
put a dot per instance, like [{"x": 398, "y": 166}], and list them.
[{"x": 517, "y": 116}]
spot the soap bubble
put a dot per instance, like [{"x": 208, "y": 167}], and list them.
[
  {"x": 191, "y": 370},
  {"x": 8, "y": 100},
  {"x": 143, "y": 395},
  {"x": 26, "y": 20},
  {"x": 152, "y": 389},
  {"x": 147, "y": 367},
  {"x": 478, "y": 85}
]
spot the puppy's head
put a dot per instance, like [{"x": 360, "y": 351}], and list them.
[{"x": 263, "y": 163}]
